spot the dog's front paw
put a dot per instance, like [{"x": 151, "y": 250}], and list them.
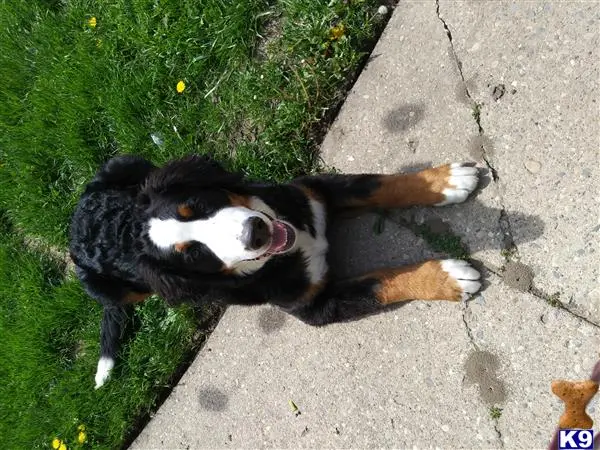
[
  {"x": 464, "y": 276},
  {"x": 461, "y": 181}
]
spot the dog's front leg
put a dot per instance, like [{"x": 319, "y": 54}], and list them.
[
  {"x": 448, "y": 279},
  {"x": 437, "y": 186}
]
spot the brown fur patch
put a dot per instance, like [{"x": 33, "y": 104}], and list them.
[
  {"x": 310, "y": 193},
  {"x": 422, "y": 188},
  {"x": 185, "y": 211},
  {"x": 424, "y": 281},
  {"x": 238, "y": 200},
  {"x": 135, "y": 297},
  {"x": 312, "y": 291},
  {"x": 182, "y": 246},
  {"x": 227, "y": 270}
]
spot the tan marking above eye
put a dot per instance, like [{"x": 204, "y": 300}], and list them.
[
  {"x": 238, "y": 200},
  {"x": 185, "y": 211},
  {"x": 182, "y": 246}
]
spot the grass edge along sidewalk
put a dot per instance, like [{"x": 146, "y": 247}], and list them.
[{"x": 250, "y": 82}]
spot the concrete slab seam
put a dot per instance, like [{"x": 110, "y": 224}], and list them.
[
  {"x": 504, "y": 223},
  {"x": 548, "y": 298}
]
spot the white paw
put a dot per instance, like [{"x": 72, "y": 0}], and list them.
[
  {"x": 464, "y": 275},
  {"x": 462, "y": 181},
  {"x": 105, "y": 365}
]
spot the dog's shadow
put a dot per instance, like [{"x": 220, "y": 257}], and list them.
[{"x": 373, "y": 240}]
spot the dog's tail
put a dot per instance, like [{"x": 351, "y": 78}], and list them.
[{"x": 113, "y": 325}]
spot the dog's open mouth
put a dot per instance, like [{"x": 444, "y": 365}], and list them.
[{"x": 283, "y": 238}]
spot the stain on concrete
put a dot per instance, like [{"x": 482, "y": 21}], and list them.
[
  {"x": 404, "y": 117},
  {"x": 212, "y": 399},
  {"x": 412, "y": 143},
  {"x": 271, "y": 319},
  {"x": 481, "y": 368},
  {"x": 518, "y": 276},
  {"x": 498, "y": 91},
  {"x": 481, "y": 146}
]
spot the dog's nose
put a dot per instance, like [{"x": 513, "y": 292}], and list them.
[{"x": 255, "y": 233}]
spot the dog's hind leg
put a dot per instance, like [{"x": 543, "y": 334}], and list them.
[
  {"x": 437, "y": 186},
  {"x": 448, "y": 279}
]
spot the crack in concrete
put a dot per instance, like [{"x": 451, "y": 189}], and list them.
[
  {"x": 498, "y": 433},
  {"x": 476, "y": 108},
  {"x": 467, "y": 327},
  {"x": 541, "y": 295},
  {"x": 538, "y": 293},
  {"x": 503, "y": 222}
]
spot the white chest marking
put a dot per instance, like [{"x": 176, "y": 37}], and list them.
[{"x": 315, "y": 248}]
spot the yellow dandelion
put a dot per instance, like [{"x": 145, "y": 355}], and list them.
[
  {"x": 63, "y": 446},
  {"x": 56, "y": 443},
  {"x": 81, "y": 427},
  {"x": 92, "y": 22},
  {"x": 82, "y": 437},
  {"x": 180, "y": 86},
  {"x": 337, "y": 32}
]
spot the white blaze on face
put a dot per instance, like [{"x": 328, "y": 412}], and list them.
[{"x": 221, "y": 233}]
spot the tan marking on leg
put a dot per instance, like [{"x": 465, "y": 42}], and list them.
[
  {"x": 182, "y": 246},
  {"x": 424, "y": 281},
  {"x": 135, "y": 297},
  {"x": 238, "y": 200},
  {"x": 185, "y": 211},
  {"x": 313, "y": 290},
  {"x": 421, "y": 188}
]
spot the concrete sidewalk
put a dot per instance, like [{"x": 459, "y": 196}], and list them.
[{"x": 513, "y": 86}]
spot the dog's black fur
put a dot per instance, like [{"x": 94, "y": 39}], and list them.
[{"x": 118, "y": 264}]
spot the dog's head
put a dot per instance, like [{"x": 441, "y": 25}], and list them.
[{"x": 203, "y": 219}]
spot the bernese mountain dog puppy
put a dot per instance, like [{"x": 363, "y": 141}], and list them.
[{"x": 192, "y": 231}]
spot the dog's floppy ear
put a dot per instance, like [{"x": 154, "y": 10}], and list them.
[
  {"x": 193, "y": 171},
  {"x": 174, "y": 288}
]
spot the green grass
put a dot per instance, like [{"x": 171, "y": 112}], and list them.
[
  {"x": 72, "y": 95},
  {"x": 260, "y": 78},
  {"x": 495, "y": 412},
  {"x": 446, "y": 242},
  {"x": 50, "y": 350}
]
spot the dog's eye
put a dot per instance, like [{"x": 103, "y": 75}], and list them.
[{"x": 185, "y": 211}]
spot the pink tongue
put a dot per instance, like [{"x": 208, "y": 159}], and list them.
[{"x": 279, "y": 237}]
